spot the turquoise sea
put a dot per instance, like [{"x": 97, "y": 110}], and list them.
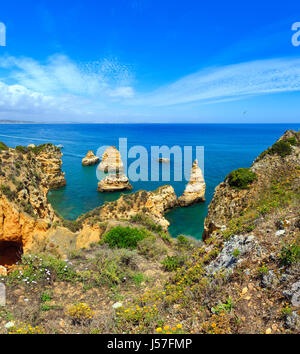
[{"x": 227, "y": 147}]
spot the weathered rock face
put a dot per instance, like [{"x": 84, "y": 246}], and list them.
[
  {"x": 226, "y": 259},
  {"x": 152, "y": 204},
  {"x": 90, "y": 159},
  {"x": 195, "y": 190},
  {"x": 28, "y": 221},
  {"x": 230, "y": 202},
  {"x": 26, "y": 175},
  {"x": 114, "y": 182},
  {"x": 50, "y": 160},
  {"x": 111, "y": 161}
]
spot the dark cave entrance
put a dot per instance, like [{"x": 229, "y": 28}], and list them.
[{"x": 10, "y": 253}]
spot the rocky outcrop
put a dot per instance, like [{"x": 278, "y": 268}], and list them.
[
  {"x": 163, "y": 160},
  {"x": 111, "y": 161},
  {"x": 116, "y": 180},
  {"x": 26, "y": 176},
  {"x": 227, "y": 260},
  {"x": 114, "y": 183},
  {"x": 195, "y": 190},
  {"x": 90, "y": 159},
  {"x": 229, "y": 202},
  {"x": 152, "y": 204},
  {"x": 49, "y": 157}
]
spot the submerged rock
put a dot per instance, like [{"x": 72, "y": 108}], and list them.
[
  {"x": 195, "y": 190},
  {"x": 90, "y": 159},
  {"x": 114, "y": 182}
]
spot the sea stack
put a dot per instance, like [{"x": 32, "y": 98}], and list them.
[
  {"x": 163, "y": 160},
  {"x": 90, "y": 159},
  {"x": 195, "y": 190},
  {"x": 114, "y": 182},
  {"x": 111, "y": 161}
]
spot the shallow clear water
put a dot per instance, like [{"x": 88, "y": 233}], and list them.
[{"x": 227, "y": 147}]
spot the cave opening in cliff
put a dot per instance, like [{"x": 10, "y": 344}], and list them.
[{"x": 10, "y": 253}]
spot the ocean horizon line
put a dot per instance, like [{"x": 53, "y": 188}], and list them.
[{"x": 143, "y": 123}]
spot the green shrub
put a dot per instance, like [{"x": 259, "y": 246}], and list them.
[
  {"x": 290, "y": 254},
  {"x": 227, "y": 306},
  {"x": 150, "y": 248},
  {"x": 46, "y": 296},
  {"x": 113, "y": 266},
  {"x": 3, "y": 146},
  {"x": 282, "y": 148},
  {"x": 45, "y": 307},
  {"x": 146, "y": 221},
  {"x": 22, "y": 149},
  {"x": 138, "y": 278},
  {"x": 236, "y": 252},
  {"x": 263, "y": 269},
  {"x": 60, "y": 268},
  {"x": 34, "y": 268},
  {"x": 72, "y": 225},
  {"x": 182, "y": 241},
  {"x": 292, "y": 140},
  {"x": 11, "y": 195},
  {"x": 171, "y": 263},
  {"x": 29, "y": 209},
  {"x": 124, "y": 237},
  {"x": 241, "y": 178}
]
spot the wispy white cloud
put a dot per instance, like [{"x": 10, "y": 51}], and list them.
[
  {"x": 228, "y": 83},
  {"x": 60, "y": 75},
  {"x": 61, "y": 87}
]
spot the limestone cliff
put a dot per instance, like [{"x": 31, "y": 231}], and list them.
[
  {"x": 26, "y": 175},
  {"x": 195, "y": 190},
  {"x": 49, "y": 158},
  {"x": 231, "y": 200},
  {"x": 28, "y": 220}
]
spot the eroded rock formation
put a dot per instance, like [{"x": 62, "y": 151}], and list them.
[
  {"x": 26, "y": 176},
  {"x": 152, "y": 204},
  {"x": 114, "y": 182},
  {"x": 28, "y": 221},
  {"x": 49, "y": 158},
  {"x": 195, "y": 190},
  {"x": 111, "y": 161},
  {"x": 90, "y": 159}
]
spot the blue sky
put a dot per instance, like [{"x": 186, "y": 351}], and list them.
[{"x": 150, "y": 61}]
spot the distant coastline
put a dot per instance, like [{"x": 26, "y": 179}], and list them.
[{"x": 138, "y": 123}]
